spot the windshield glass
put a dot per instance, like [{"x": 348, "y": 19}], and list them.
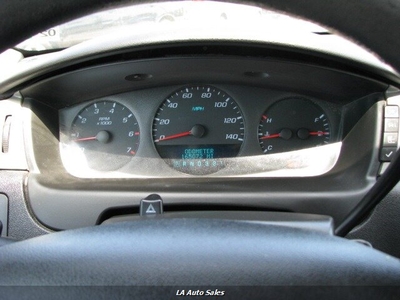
[{"x": 146, "y": 16}]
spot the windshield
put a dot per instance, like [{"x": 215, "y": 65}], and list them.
[{"x": 177, "y": 14}]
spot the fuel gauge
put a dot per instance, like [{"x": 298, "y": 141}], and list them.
[{"x": 293, "y": 124}]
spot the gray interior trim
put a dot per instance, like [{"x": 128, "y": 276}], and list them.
[
  {"x": 316, "y": 223},
  {"x": 4, "y": 214},
  {"x": 21, "y": 223}
]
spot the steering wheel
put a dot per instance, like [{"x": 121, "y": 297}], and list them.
[{"x": 124, "y": 260}]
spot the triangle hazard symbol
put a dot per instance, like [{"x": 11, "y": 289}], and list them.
[{"x": 150, "y": 209}]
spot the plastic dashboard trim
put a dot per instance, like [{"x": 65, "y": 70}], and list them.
[
  {"x": 50, "y": 190},
  {"x": 60, "y": 201}
]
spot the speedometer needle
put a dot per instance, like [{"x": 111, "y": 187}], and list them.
[
  {"x": 197, "y": 131},
  {"x": 174, "y": 136}
]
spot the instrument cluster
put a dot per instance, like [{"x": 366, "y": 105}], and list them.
[{"x": 199, "y": 130}]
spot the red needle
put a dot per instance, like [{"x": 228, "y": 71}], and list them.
[
  {"x": 271, "y": 136},
  {"x": 91, "y": 138},
  {"x": 174, "y": 136},
  {"x": 318, "y": 133}
]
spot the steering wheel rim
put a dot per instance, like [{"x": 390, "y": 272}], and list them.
[
  {"x": 367, "y": 22},
  {"x": 204, "y": 254}
]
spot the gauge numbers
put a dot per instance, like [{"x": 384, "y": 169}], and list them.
[
  {"x": 293, "y": 124},
  {"x": 107, "y": 134},
  {"x": 197, "y": 127}
]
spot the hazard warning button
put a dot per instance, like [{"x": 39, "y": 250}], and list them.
[{"x": 151, "y": 205}]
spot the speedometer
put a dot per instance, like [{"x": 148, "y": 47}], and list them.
[{"x": 196, "y": 127}]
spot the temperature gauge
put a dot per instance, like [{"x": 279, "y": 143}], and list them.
[{"x": 293, "y": 124}]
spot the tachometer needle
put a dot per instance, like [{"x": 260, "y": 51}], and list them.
[
  {"x": 103, "y": 137},
  {"x": 90, "y": 138}
]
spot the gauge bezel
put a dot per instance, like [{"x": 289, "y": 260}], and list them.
[
  {"x": 147, "y": 163},
  {"x": 291, "y": 135},
  {"x": 175, "y": 145},
  {"x": 98, "y": 149}
]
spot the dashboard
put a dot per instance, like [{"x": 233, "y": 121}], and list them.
[
  {"x": 200, "y": 130},
  {"x": 194, "y": 144},
  {"x": 212, "y": 117},
  {"x": 207, "y": 127},
  {"x": 289, "y": 135}
]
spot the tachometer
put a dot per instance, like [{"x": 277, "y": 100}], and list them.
[
  {"x": 107, "y": 134},
  {"x": 293, "y": 124},
  {"x": 196, "y": 127}
]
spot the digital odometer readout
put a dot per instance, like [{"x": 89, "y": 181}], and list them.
[
  {"x": 196, "y": 128},
  {"x": 207, "y": 153},
  {"x": 200, "y": 161}
]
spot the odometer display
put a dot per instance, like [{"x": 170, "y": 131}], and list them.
[{"x": 197, "y": 127}]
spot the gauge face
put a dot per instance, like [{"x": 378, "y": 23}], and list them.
[
  {"x": 107, "y": 134},
  {"x": 293, "y": 124},
  {"x": 196, "y": 127}
]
